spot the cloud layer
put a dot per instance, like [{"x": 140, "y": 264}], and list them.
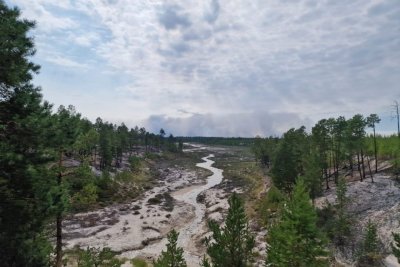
[{"x": 223, "y": 62}]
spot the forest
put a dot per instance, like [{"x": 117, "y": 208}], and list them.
[{"x": 55, "y": 163}]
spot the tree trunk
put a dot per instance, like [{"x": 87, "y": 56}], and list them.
[
  {"x": 326, "y": 178},
  {"x": 358, "y": 166},
  {"x": 362, "y": 164},
  {"x": 351, "y": 165},
  {"x": 370, "y": 172},
  {"x": 95, "y": 157},
  {"x": 330, "y": 163},
  {"x": 335, "y": 169},
  {"x": 376, "y": 153}
]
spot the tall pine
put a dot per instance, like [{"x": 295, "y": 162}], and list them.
[
  {"x": 24, "y": 179},
  {"x": 295, "y": 240}
]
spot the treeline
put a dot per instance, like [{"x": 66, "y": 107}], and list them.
[
  {"x": 225, "y": 141},
  {"x": 334, "y": 145},
  {"x": 48, "y": 159}
]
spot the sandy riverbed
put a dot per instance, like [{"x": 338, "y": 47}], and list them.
[{"x": 139, "y": 229}]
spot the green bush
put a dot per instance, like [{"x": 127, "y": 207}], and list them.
[
  {"x": 135, "y": 163},
  {"x": 95, "y": 257},
  {"x": 136, "y": 262},
  {"x": 270, "y": 204},
  {"x": 369, "y": 253},
  {"x": 85, "y": 197},
  {"x": 153, "y": 156}
]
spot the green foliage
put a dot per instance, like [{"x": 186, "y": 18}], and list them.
[
  {"x": 343, "y": 223},
  {"x": 136, "y": 262},
  {"x": 396, "y": 246},
  {"x": 15, "y": 49},
  {"x": 312, "y": 176},
  {"x": 106, "y": 186},
  {"x": 86, "y": 197},
  {"x": 124, "y": 176},
  {"x": 288, "y": 161},
  {"x": 369, "y": 254},
  {"x": 95, "y": 257},
  {"x": 387, "y": 145},
  {"x": 80, "y": 176},
  {"x": 151, "y": 156},
  {"x": 264, "y": 150},
  {"x": 396, "y": 164},
  {"x": 295, "y": 240},
  {"x": 232, "y": 244},
  {"x": 24, "y": 179},
  {"x": 327, "y": 220},
  {"x": 372, "y": 120},
  {"x": 86, "y": 143},
  {"x": 271, "y": 203},
  {"x": 135, "y": 163},
  {"x": 173, "y": 257}
]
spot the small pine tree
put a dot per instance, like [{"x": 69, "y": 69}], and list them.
[
  {"x": 96, "y": 257},
  {"x": 342, "y": 225},
  {"x": 233, "y": 244},
  {"x": 173, "y": 257},
  {"x": 396, "y": 246},
  {"x": 369, "y": 252},
  {"x": 295, "y": 240}
]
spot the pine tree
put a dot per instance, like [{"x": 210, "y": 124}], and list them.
[
  {"x": 312, "y": 175},
  {"x": 95, "y": 257},
  {"x": 288, "y": 161},
  {"x": 24, "y": 179},
  {"x": 173, "y": 257},
  {"x": 369, "y": 252},
  {"x": 65, "y": 130},
  {"x": 295, "y": 240},
  {"x": 372, "y": 120},
  {"x": 342, "y": 225},
  {"x": 396, "y": 246},
  {"x": 15, "y": 49},
  {"x": 232, "y": 244},
  {"x": 320, "y": 139}
]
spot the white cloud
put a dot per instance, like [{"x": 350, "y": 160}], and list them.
[
  {"x": 308, "y": 57},
  {"x": 37, "y": 10},
  {"x": 65, "y": 62},
  {"x": 85, "y": 39}
]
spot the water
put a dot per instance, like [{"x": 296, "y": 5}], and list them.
[{"x": 187, "y": 233}]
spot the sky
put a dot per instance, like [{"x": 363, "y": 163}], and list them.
[{"x": 219, "y": 67}]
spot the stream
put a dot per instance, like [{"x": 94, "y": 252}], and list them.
[{"x": 186, "y": 234}]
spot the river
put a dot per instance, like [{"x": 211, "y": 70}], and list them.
[{"x": 186, "y": 239}]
